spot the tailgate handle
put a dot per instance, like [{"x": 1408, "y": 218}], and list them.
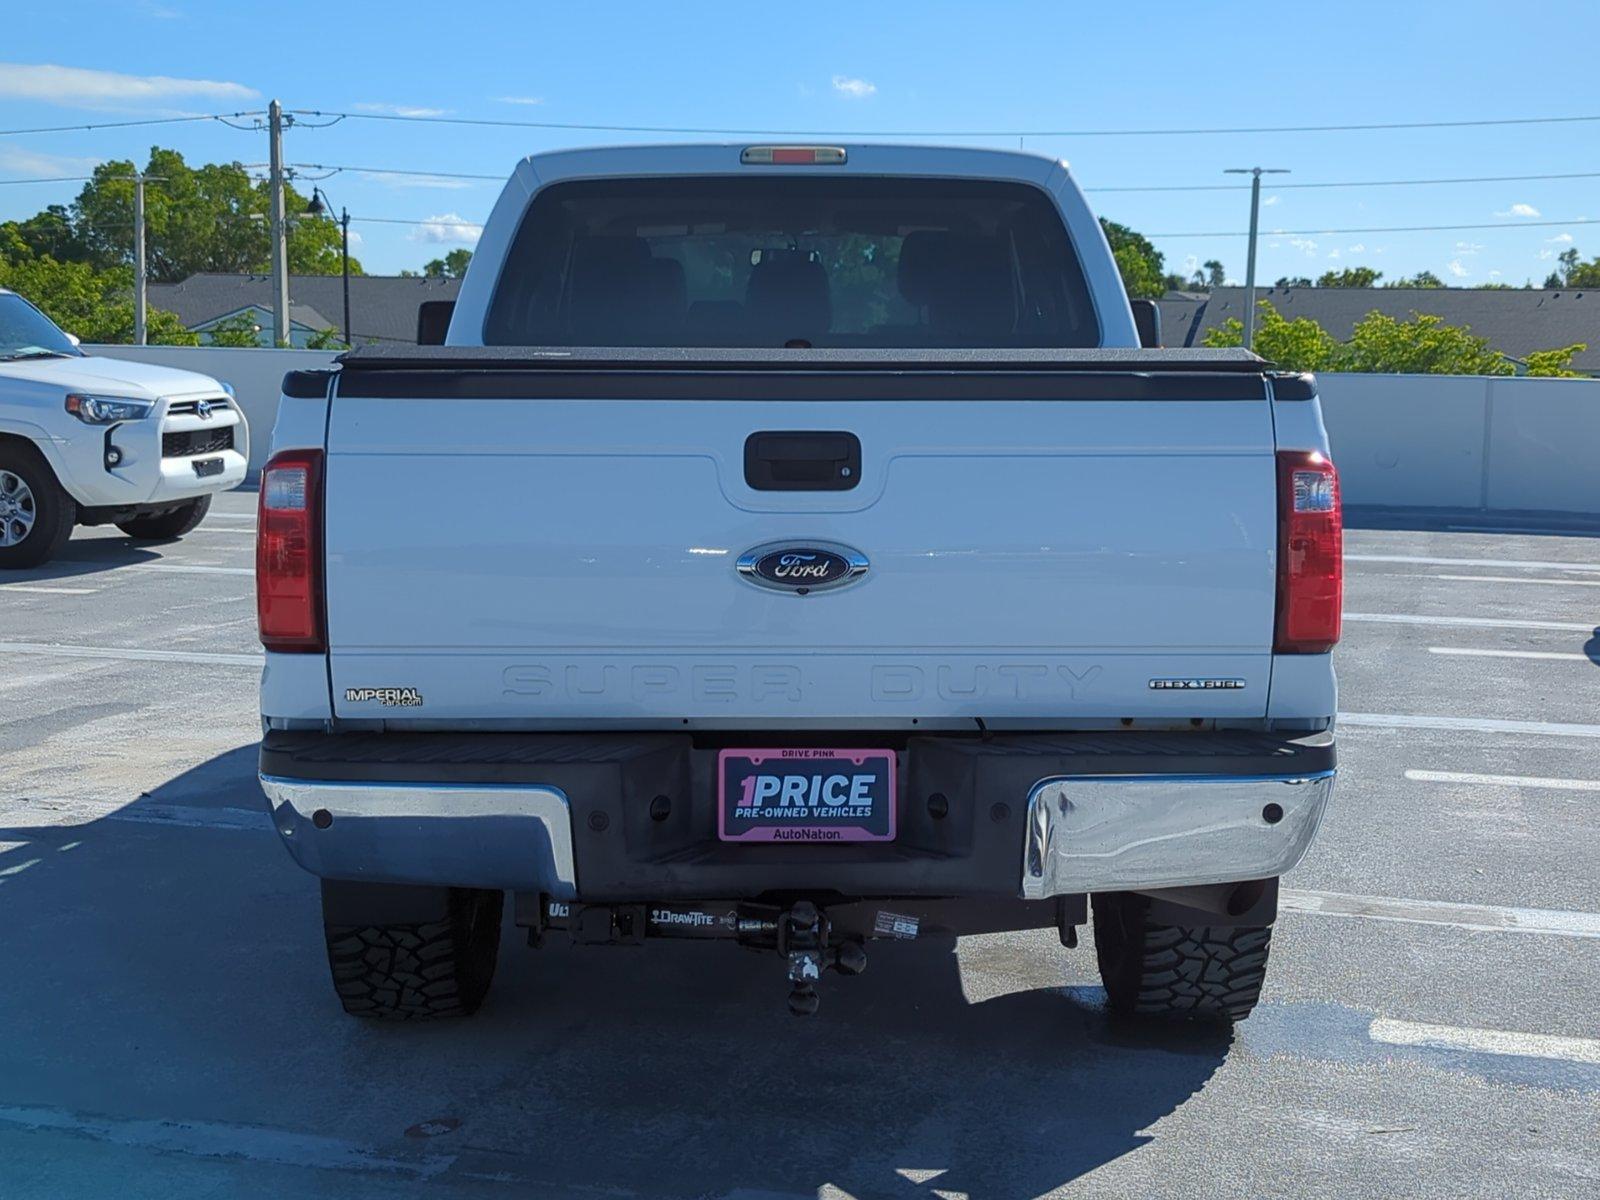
[{"x": 802, "y": 461}]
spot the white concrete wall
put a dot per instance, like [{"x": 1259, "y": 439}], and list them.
[
  {"x": 1453, "y": 441},
  {"x": 1425, "y": 441},
  {"x": 256, "y": 376}
]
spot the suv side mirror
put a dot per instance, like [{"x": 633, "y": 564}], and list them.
[
  {"x": 433, "y": 321},
  {"x": 1147, "y": 320}
]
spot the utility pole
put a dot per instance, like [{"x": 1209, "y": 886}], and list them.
[
  {"x": 140, "y": 272},
  {"x": 280, "y": 227},
  {"x": 1255, "y": 174}
]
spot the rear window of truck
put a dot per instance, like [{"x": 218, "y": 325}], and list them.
[{"x": 868, "y": 262}]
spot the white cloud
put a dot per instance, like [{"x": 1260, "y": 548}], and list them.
[
  {"x": 854, "y": 89},
  {"x": 1561, "y": 239},
  {"x": 447, "y": 228},
  {"x": 161, "y": 12},
  {"x": 1468, "y": 247},
  {"x": 1358, "y": 248},
  {"x": 1456, "y": 269},
  {"x": 399, "y": 110},
  {"x": 1519, "y": 210},
  {"x": 79, "y": 87},
  {"x": 1546, "y": 255},
  {"x": 30, "y": 163},
  {"x": 520, "y": 99},
  {"x": 1305, "y": 244},
  {"x": 1269, "y": 202},
  {"x": 1334, "y": 253},
  {"x": 1494, "y": 274}
]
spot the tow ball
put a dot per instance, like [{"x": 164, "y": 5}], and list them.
[{"x": 804, "y": 941}]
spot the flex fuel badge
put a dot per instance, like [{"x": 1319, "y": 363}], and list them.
[{"x": 389, "y": 697}]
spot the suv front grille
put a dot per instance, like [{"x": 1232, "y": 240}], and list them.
[{"x": 196, "y": 441}]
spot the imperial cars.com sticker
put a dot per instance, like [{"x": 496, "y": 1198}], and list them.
[{"x": 389, "y": 697}]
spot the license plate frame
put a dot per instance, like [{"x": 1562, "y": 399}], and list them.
[{"x": 868, "y": 775}]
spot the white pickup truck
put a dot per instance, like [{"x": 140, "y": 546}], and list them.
[
  {"x": 794, "y": 545},
  {"x": 86, "y": 440}
]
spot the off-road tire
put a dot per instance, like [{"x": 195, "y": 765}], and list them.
[
  {"x": 54, "y": 512},
  {"x": 168, "y": 525},
  {"x": 419, "y": 972},
  {"x": 1200, "y": 972}
]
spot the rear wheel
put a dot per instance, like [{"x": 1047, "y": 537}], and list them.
[
  {"x": 1201, "y": 972},
  {"x": 168, "y": 525},
  {"x": 419, "y": 971},
  {"x": 36, "y": 516}
]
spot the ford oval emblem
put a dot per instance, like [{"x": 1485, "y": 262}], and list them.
[{"x": 802, "y": 567}]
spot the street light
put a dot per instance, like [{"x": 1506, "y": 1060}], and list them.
[
  {"x": 321, "y": 206},
  {"x": 1255, "y": 174}
]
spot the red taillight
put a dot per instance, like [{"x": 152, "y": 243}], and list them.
[
  {"x": 1310, "y": 554},
  {"x": 289, "y": 553}
]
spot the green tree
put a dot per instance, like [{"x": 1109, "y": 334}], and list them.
[
  {"x": 1297, "y": 345},
  {"x": 451, "y": 266},
  {"x": 1141, "y": 264},
  {"x": 1350, "y": 277},
  {"x": 1424, "y": 345},
  {"x": 1293, "y": 281},
  {"x": 97, "y": 306},
  {"x": 1422, "y": 279},
  {"x": 1573, "y": 272},
  {"x": 207, "y": 218},
  {"x": 1215, "y": 275},
  {"x": 239, "y": 330},
  {"x": 1556, "y": 363},
  {"x": 326, "y": 339}
]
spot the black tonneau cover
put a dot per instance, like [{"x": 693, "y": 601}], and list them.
[
  {"x": 533, "y": 373},
  {"x": 675, "y": 358}
]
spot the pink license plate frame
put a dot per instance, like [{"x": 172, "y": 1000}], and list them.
[{"x": 825, "y": 807}]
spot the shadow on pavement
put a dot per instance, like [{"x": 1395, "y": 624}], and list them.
[
  {"x": 1473, "y": 520},
  {"x": 165, "y": 962},
  {"x": 86, "y": 556}
]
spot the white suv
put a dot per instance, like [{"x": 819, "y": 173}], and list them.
[{"x": 86, "y": 440}]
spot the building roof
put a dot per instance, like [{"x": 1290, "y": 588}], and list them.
[
  {"x": 383, "y": 308},
  {"x": 1516, "y": 321}
]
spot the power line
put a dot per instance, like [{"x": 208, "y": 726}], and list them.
[
  {"x": 124, "y": 124},
  {"x": 397, "y": 171},
  {"x": 51, "y": 179},
  {"x": 1349, "y": 183},
  {"x": 1383, "y": 229},
  {"x": 1008, "y": 133},
  {"x": 407, "y": 221}
]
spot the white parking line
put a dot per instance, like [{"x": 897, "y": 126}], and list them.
[
  {"x": 197, "y": 570},
  {"x": 1469, "y": 652},
  {"x": 1469, "y": 622},
  {"x": 46, "y": 591},
  {"x": 237, "y": 532},
  {"x": 214, "y": 1139},
  {"x": 1519, "y": 564},
  {"x": 1528, "y": 781},
  {"x": 1483, "y": 918},
  {"x": 1466, "y": 725},
  {"x": 1511, "y": 579},
  {"x": 132, "y": 655},
  {"x": 1485, "y": 1041}
]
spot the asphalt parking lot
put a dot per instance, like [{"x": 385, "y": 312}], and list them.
[{"x": 1432, "y": 1023}]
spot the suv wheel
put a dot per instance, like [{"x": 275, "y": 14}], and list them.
[
  {"x": 36, "y": 516},
  {"x": 416, "y": 972},
  {"x": 168, "y": 525},
  {"x": 1203, "y": 972}
]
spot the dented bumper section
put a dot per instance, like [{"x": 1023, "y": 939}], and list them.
[{"x": 630, "y": 818}]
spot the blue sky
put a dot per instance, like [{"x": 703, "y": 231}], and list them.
[{"x": 839, "y": 68}]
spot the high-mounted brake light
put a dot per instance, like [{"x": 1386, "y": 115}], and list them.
[
  {"x": 778, "y": 156},
  {"x": 289, "y": 600},
  {"x": 1310, "y": 554}
]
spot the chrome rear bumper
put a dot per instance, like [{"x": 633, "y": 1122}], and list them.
[
  {"x": 511, "y": 836},
  {"x": 1135, "y": 832}
]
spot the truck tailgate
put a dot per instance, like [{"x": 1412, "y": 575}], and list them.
[{"x": 541, "y": 559}]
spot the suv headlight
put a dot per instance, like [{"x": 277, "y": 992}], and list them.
[{"x": 107, "y": 410}]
